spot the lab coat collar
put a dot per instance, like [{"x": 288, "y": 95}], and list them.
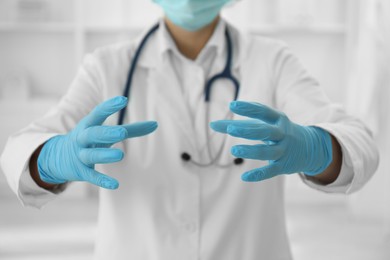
[
  {"x": 167, "y": 43},
  {"x": 161, "y": 43}
]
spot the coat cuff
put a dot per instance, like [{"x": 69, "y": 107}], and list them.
[
  {"x": 30, "y": 194},
  {"x": 345, "y": 180},
  {"x": 17, "y": 170},
  {"x": 342, "y": 184}
]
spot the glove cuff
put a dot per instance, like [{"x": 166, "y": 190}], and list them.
[
  {"x": 320, "y": 150},
  {"x": 43, "y": 163}
]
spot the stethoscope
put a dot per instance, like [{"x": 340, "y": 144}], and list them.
[{"x": 225, "y": 74}]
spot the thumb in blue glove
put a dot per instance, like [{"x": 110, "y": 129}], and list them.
[
  {"x": 72, "y": 157},
  {"x": 289, "y": 147}
]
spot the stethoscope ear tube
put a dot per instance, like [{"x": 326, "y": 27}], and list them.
[{"x": 225, "y": 74}]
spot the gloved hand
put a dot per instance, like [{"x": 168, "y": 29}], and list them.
[
  {"x": 72, "y": 157},
  {"x": 289, "y": 147}
]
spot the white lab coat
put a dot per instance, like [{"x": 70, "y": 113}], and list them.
[{"x": 169, "y": 209}]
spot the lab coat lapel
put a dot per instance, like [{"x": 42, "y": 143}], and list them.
[
  {"x": 222, "y": 93},
  {"x": 171, "y": 100},
  {"x": 165, "y": 85}
]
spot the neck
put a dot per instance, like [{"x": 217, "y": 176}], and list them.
[{"x": 190, "y": 44}]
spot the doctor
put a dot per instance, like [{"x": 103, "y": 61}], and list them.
[{"x": 180, "y": 194}]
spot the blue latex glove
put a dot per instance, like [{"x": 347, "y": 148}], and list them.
[
  {"x": 72, "y": 157},
  {"x": 289, "y": 147}
]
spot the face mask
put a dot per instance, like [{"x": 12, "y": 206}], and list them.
[{"x": 192, "y": 15}]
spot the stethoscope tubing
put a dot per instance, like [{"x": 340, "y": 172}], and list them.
[
  {"x": 133, "y": 66},
  {"x": 225, "y": 74}
]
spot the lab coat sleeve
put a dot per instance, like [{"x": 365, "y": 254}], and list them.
[
  {"x": 302, "y": 99},
  {"x": 83, "y": 95}
]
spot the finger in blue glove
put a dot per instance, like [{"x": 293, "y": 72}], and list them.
[
  {"x": 289, "y": 147},
  {"x": 72, "y": 157}
]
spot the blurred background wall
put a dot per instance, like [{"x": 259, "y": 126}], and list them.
[{"x": 42, "y": 43}]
